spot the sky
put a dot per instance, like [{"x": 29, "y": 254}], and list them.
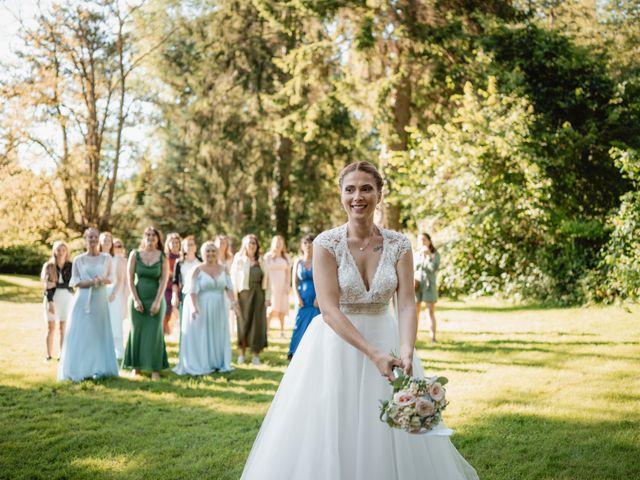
[
  {"x": 9, "y": 9},
  {"x": 26, "y": 10}
]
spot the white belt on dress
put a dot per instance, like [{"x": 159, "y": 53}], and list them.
[
  {"x": 364, "y": 307},
  {"x": 87, "y": 305}
]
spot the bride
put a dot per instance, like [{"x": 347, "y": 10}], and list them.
[{"x": 323, "y": 422}]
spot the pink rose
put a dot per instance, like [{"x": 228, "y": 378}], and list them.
[
  {"x": 436, "y": 391},
  {"x": 404, "y": 398},
  {"x": 424, "y": 407}
]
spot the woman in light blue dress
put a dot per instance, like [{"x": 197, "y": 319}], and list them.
[
  {"x": 427, "y": 262},
  {"x": 205, "y": 344},
  {"x": 304, "y": 287},
  {"x": 88, "y": 350},
  {"x": 116, "y": 290}
]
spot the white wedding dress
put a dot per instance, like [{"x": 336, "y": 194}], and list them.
[{"x": 323, "y": 423}]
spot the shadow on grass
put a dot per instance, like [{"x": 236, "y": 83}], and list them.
[
  {"x": 242, "y": 385},
  {"x": 15, "y": 292},
  {"x": 513, "y": 352},
  {"x": 506, "y": 446},
  {"x": 555, "y": 334},
  {"x": 88, "y": 430},
  {"x": 245, "y": 383},
  {"x": 461, "y": 306}
]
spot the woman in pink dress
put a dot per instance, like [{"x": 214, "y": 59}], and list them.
[
  {"x": 225, "y": 259},
  {"x": 279, "y": 271},
  {"x": 172, "y": 251}
]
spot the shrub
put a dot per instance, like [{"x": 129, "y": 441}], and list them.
[{"x": 24, "y": 259}]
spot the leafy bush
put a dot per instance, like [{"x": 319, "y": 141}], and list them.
[
  {"x": 618, "y": 273},
  {"x": 24, "y": 259},
  {"x": 479, "y": 176}
]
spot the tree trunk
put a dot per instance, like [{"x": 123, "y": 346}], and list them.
[
  {"x": 105, "y": 221},
  {"x": 392, "y": 211},
  {"x": 282, "y": 174}
]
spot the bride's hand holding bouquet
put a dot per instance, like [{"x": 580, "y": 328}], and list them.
[
  {"x": 385, "y": 364},
  {"x": 416, "y": 404}
]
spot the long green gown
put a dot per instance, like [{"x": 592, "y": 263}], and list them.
[
  {"x": 145, "y": 346},
  {"x": 252, "y": 322}
]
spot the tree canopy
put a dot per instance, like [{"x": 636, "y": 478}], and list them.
[{"x": 510, "y": 130}]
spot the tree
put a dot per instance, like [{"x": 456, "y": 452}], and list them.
[
  {"x": 254, "y": 128},
  {"x": 74, "y": 85},
  {"x": 476, "y": 177},
  {"x": 618, "y": 273},
  {"x": 403, "y": 60}
]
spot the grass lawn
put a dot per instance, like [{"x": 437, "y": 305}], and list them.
[{"x": 535, "y": 394}]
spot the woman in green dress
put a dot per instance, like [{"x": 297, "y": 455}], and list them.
[
  {"x": 427, "y": 262},
  {"x": 148, "y": 271},
  {"x": 251, "y": 286}
]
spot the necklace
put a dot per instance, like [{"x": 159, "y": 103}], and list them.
[{"x": 368, "y": 241}]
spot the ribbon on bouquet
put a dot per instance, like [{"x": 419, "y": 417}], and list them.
[{"x": 87, "y": 306}]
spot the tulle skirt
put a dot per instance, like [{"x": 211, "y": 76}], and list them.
[
  {"x": 116, "y": 314},
  {"x": 205, "y": 345},
  {"x": 323, "y": 422},
  {"x": 88, "y": 349}
]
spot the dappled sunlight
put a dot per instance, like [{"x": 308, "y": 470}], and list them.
[
  {"x": 106, "y": 463},
  {"x": 521, "y": 383}
]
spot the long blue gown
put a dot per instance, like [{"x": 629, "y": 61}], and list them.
[
  {"x": 307, "y": 292},
  {"x": 205, "y": 344},
  {"x": 88, "y": 350}
]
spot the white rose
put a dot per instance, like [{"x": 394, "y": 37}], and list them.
[
  {"x": 436, "y": 391},
  {"x": 403, "y": 398}
]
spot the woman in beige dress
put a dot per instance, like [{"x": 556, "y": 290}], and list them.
[{"x": 279, "y": 271}]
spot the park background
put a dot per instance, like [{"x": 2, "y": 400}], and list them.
[{"x": 509, "y": 130}]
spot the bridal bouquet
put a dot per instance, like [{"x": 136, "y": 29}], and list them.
[{"x": 416, "y": 404}]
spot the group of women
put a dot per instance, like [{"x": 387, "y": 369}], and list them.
[{"x": 212, "y": 294}]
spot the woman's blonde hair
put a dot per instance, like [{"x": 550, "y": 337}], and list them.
[
  {"x": 204, "y": 246},
  {"x": 167, "y": 243},
  {"x": 274, "y": 242},
  {"x": 228, "y": 254},
  {"x": 50, "y": 270},
  {"x": 104, "y": 235}
]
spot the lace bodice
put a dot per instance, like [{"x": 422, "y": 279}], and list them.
[
  {"x": 86, "y": 267},
  {"x": 354, "y": 297}
]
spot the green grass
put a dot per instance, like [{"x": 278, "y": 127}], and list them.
[{"x": 535, "y": 393}]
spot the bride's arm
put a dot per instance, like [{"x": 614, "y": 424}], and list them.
[
  {"x": 407, "y": 318},
  {"x": 325, "y": 279}
]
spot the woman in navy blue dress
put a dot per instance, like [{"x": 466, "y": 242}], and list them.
[{"x": 303, "y": 285}]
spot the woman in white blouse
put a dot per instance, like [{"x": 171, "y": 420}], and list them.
[{"x": 251, "y": 287}]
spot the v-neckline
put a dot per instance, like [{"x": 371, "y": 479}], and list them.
[
  {"x": 149, "y": 264},
  {"x": 355, "y": 265},
  {"x": 211, "y": 276}
]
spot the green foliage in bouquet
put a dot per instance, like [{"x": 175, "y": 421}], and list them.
[{"x": 416, "y": 404}]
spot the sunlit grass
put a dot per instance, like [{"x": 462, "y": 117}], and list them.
[{"x": 535, "y": 393}]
